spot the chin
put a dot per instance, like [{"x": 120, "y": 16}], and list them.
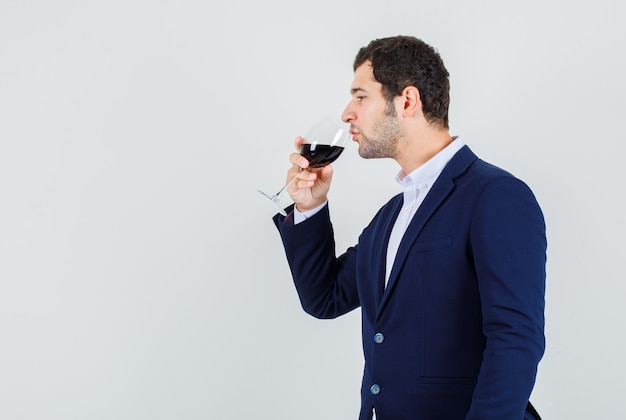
[{"x": 365, "y": 155}]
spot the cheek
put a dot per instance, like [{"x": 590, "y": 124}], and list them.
[{"x": 368, "y": 118}]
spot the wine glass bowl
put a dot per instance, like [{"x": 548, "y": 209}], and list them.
[{"x": 322, "y": 144}]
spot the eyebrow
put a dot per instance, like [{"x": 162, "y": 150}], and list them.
[{"x": 356, "y": 89}]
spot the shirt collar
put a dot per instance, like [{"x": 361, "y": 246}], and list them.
[{"x": 423, "y": 177}]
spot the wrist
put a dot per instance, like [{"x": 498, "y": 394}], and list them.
[
  {"x": 301, "y": 215},
  {"x": 308, "y": 207}
]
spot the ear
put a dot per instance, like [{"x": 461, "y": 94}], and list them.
[{"x": 412, "y": 103}]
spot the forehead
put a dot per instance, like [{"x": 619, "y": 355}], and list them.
[{"x": 364, "y": 79}]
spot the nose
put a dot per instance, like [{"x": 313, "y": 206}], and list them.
[{"x": 348, "y": 115}]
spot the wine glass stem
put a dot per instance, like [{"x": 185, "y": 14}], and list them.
[{"x": 288, "y": 184}]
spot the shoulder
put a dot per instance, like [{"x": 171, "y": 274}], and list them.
[
  {"x": 466, "y": 167},
  {"x": 466, "y": 162},
  {"x": 479, "y": 181}
]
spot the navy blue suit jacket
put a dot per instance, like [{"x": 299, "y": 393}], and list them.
[{"x": 459, "y": 330}]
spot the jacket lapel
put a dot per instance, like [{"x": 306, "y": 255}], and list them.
[
  {"x": 388, "y": 220},
  {"x": 442, "y": 188}
]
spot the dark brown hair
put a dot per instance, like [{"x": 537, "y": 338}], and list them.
[{"x": 402, "y": 61}]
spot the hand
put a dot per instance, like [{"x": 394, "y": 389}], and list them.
[{"x": 311, "y": 188}]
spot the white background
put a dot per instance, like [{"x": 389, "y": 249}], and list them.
[{"x": 141, "y": 276}]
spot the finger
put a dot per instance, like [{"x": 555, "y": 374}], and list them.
[
  {"x": 293, "y": 171},
  {"x": 298, "y": 143},
  {"x": 298, "y": 160},
  {"x": 326, "y": 173}
]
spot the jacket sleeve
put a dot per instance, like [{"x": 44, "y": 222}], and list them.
[
  {"x": 326, "y": 285},
  {"x": 508, "y": 242}
]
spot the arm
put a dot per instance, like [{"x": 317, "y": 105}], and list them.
[
  {"x": 509, "y": 243},
  {"x": 326, "y": 284}
]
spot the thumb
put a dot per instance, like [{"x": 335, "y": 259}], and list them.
[{"x": 326, "y": 173}]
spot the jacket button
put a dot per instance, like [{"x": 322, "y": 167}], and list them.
[
  {"x": 375, "y": 389},
  {"x": 379, "y": 338}
]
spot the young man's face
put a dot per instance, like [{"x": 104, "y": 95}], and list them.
[{"x": 373, "y": 122}]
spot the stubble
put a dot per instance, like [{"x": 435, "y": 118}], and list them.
[{"x": 383, "y": 142}]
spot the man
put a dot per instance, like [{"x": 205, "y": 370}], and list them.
[{"x": 449, "y": 275}]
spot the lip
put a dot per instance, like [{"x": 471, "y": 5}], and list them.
[{"x": 354, "y": 134}]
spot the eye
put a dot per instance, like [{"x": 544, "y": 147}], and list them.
[{"x": 360, "y": 98}]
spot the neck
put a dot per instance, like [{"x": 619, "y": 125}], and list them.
[{"x": 419, "y": 148}]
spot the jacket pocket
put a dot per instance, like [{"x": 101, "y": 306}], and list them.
[
  {"x": 432, "y": 245},
  {"x": 447, "y": 380}
]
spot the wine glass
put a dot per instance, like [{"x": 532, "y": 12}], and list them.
[{"x": 323, "y": 143}]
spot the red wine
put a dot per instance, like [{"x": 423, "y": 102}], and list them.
[{"x": 319, "y": 155}]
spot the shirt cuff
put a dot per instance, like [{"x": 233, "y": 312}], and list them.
[{"x": 302, "y": 216}]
